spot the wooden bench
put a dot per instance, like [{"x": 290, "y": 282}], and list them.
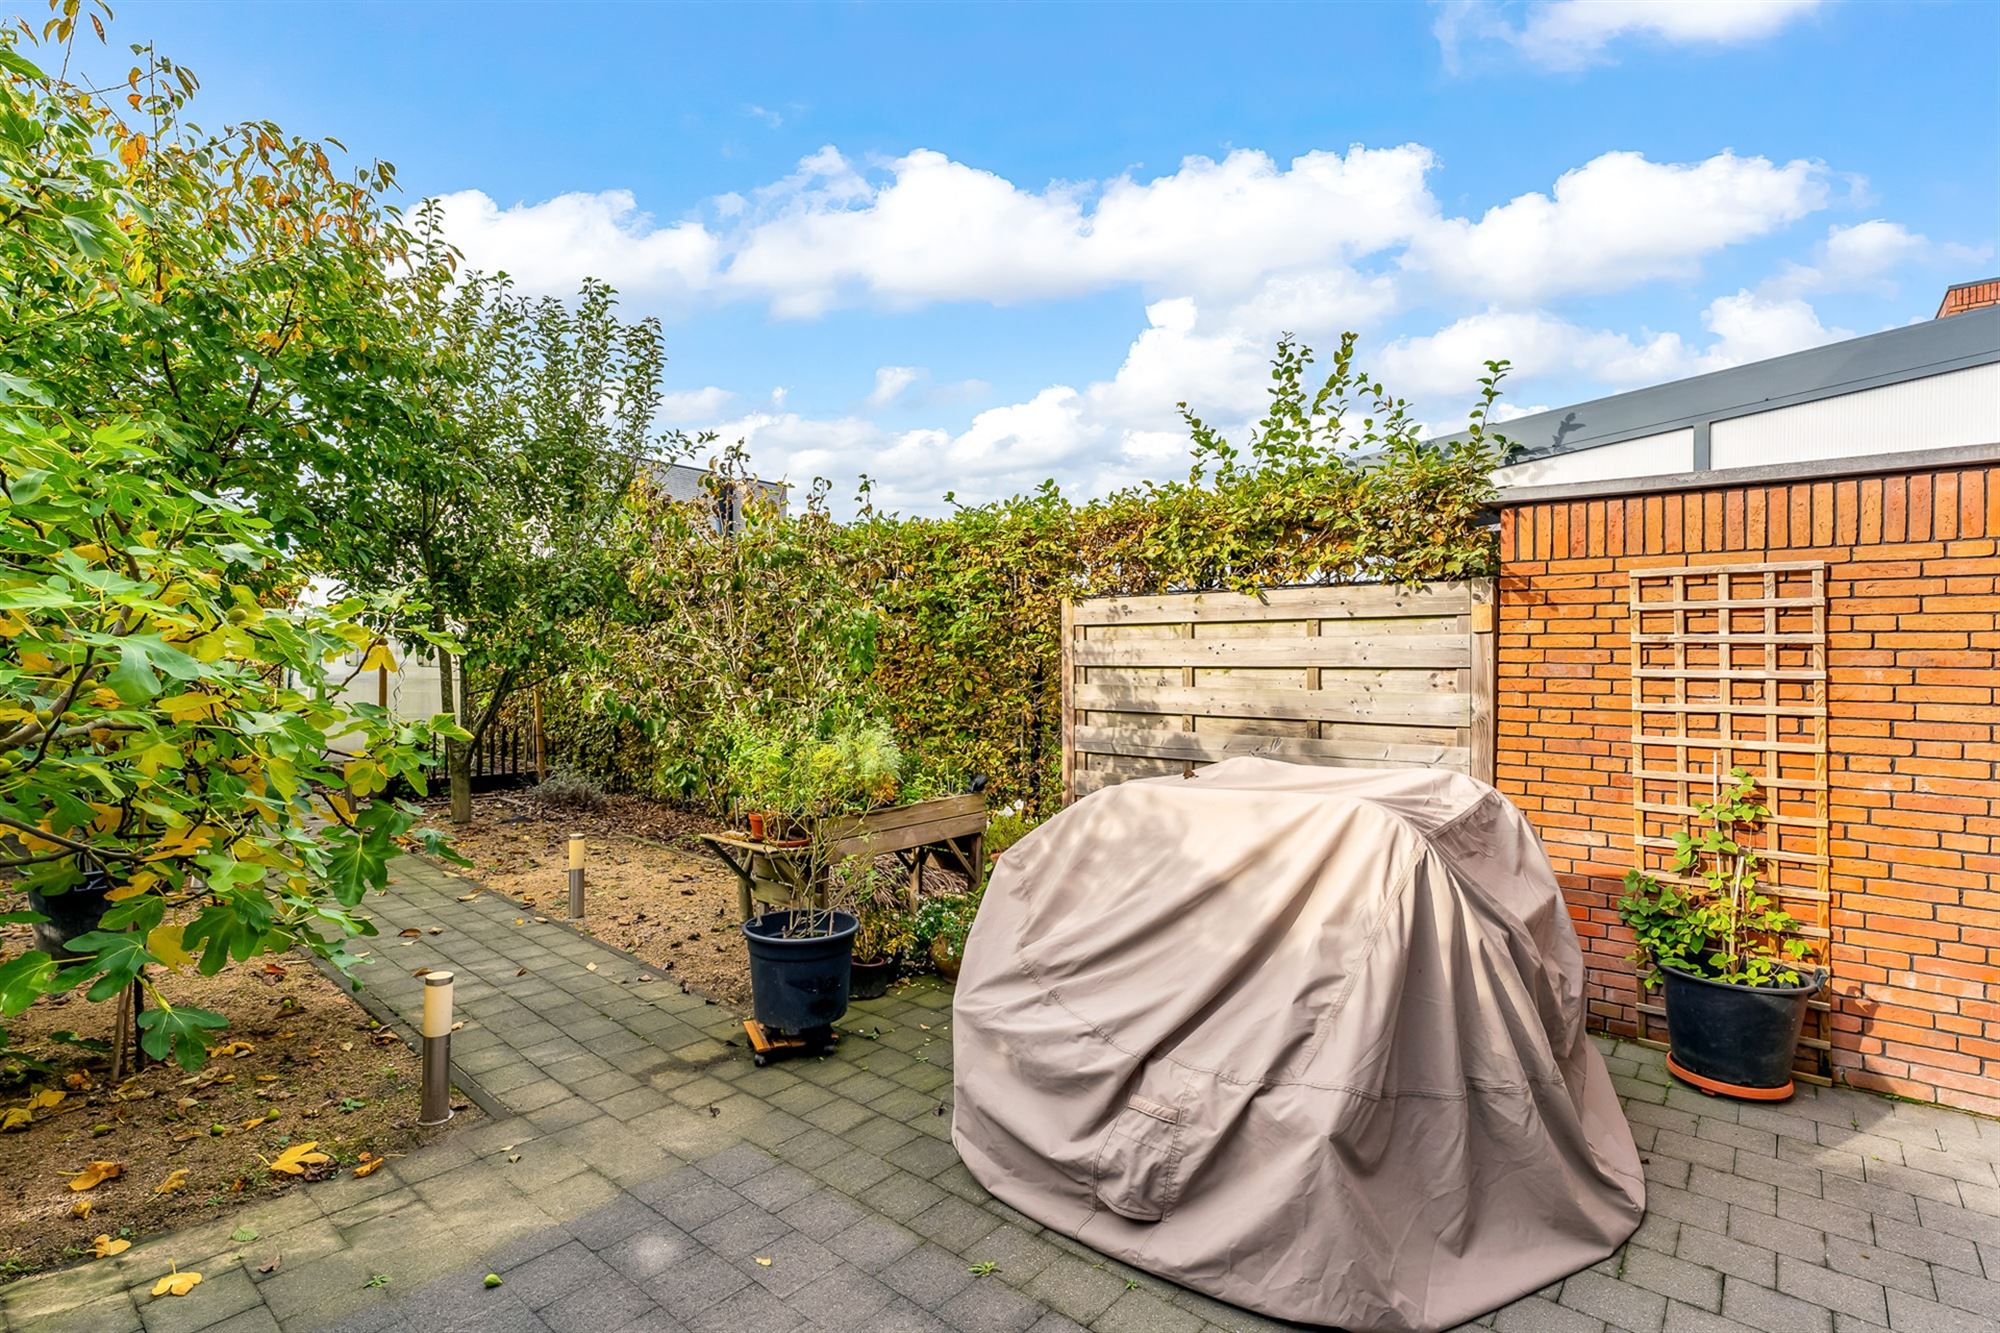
[{"x": 949, "y": 831}]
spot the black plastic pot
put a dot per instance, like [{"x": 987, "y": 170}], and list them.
[
  {"x": 871, "y": 980},
  {"x": 799, "y": 983},
  {"x": 76, "y": 912},
  {"x": 1737, "y": 1037}
]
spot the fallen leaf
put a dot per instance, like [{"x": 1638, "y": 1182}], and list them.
[
  {"x": 420, "y": 971},
  {"x": 763, "y": 1261},
  {"x": 267, "y": 1078},
  {"x": 270, "y": 1265},
  {"x": 15, "y": 1118},
  {"x": 369, "y": 1167},
  {"x": 104, "y": 1247},
  {"x": 492, "y": 1280},
  {"x": 175, "y": 1180},
  {"x": 96, "y": 1174},
  {"x": 385, "y": 1037},
  {"x": 467, "y": 897},
  {"x": 177, "y": 1283},
  {"x": 410, "y": 934},
  {"x": 294, "y": 1160},
  {"x": 437, "y": 930},
  {"x": 239, "y": 1049},
  {"x": 243, "y": 1235},
  {"x": 590, "y": 967},
  {"x": 48, "y": 1097},
  {"x": 522, "y": 973},
  {"x": 81, "y": 1208}
]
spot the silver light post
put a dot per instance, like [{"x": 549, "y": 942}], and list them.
[
  {"x": 437, "y": 1049},
  {"x": 576, "y": 877}
]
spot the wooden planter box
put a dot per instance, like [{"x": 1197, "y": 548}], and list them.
[{"x": 950, "y": 831}]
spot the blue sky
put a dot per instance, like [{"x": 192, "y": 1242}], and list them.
[{"x": 963, "y": 247}]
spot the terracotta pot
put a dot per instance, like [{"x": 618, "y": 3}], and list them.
[
  {"x": 757, "y": 827},
  {"x": 943, "y": 961}
]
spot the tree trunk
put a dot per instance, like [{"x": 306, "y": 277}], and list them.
[{"x": 457, "y": 757}]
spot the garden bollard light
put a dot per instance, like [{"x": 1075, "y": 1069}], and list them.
[
  {"x": 576, "y": 877},
  {"x": 437, "y": 1049}
]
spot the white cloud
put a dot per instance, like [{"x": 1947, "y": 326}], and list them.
[
  {"x": 550, "y": 247},
  {"x": 1573, "y": 34},
  {"x": 1617, "y": 221},
  {"x": 939, "y": 230},
  {"x": 694, "y": 407},
  {"x": 1867, "y": 257},
  {"x": 890, "y": 381},
  {"x": 1289, "y": 244},
  {"x": 773, "y": 119},
  {"x": 1751, "y": 326}
]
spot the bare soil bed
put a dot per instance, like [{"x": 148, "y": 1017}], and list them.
[
  {"x": 311, "y": 1065},
  {"x": 650, "y": 887}
]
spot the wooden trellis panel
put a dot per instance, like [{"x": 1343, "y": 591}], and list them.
[
  {"x": 1729, "y": 671},
  {"x": 1358, "y": 676}
]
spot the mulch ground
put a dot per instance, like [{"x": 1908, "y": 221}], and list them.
[{"x": 310, "y": 1065}]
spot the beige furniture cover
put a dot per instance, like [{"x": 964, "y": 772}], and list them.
[{"x": 1307, "y": 1039}]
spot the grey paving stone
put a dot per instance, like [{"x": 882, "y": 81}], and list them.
[
  {"x": 1074, "y": 1288},
  {"x": 606, "y": 1303},
  {"x": 927, "y": 1275},
  {"x": 873, "y": 1243},
  {"x": 843, "y": 1298},
  {"x": 901, "y": 1195},
  {"x": 1836, "y": 1291},
  {"x": 694, "y": 1283},
  {"x": 750, "y": 1310},
  {"x": 1883, "y": 1267},
  {"x": 1535, "y": 1315},
  {"x": 823, "y": 1214},
  {"x": 1678, "y": 1279},
  {"x": 742, "y": 1231},
  {"x": 1968, "y": 1292},
  {"x": 555, "y": 1274},
  {"x": 1629, "y": 1307},
  {"x": 1771, "y": 1311},
  {"x": 779, "y": 1188},
  {"x": 1143, "y": 1312},
  {"x": 1752, "y": 1263},
  {"x": 1914, "y": 1314},
  {"x": 789, "y": 1263},
  {"x": 689, "y": 1199},
  {"x": 614, "y": 1222}
]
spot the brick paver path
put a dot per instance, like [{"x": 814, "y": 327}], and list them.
[{"x": 638, "y": 1172}]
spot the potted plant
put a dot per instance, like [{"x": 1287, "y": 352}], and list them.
[
  {"x": 941, "y": 925},
  {"x": 886, "y": 934},
  {"x": 798, "y": 767},
  {"x": 1736, "y": 977}
]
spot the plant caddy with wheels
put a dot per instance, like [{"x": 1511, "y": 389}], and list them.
[{"x": 1736, "y": 976}]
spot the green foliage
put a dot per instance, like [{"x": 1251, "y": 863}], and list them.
[
  {"x": 168, "y": 714},
  {"x": 1006, "y": 827},
  {"x": 806, "y": 761},
  {"x": 1712, "y": 921},
  {"x": 943, "y": 922},
  {"x": 950, "y": 627},
  {"x": 886, "y": 934}
]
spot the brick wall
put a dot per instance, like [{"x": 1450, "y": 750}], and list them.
[{"x": 1913, "y": 632}]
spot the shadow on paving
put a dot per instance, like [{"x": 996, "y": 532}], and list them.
[{"x": 640, "y": 1173}]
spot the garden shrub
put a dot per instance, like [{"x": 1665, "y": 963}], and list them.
[{"x": 950, "y": 626}]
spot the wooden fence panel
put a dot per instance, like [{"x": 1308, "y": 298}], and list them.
[{"x": 1362, "y": 676}]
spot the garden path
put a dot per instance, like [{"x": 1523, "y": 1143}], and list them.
[{"x": 638, "y": 1172}]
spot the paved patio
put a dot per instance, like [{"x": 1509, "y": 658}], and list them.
[{"x": 639, "y": 1173}]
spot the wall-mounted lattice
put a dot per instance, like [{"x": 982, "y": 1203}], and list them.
[{"x": 1729, "y": 671}]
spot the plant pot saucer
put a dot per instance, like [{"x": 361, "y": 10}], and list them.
[{"x": 1717, "y": 1088}]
